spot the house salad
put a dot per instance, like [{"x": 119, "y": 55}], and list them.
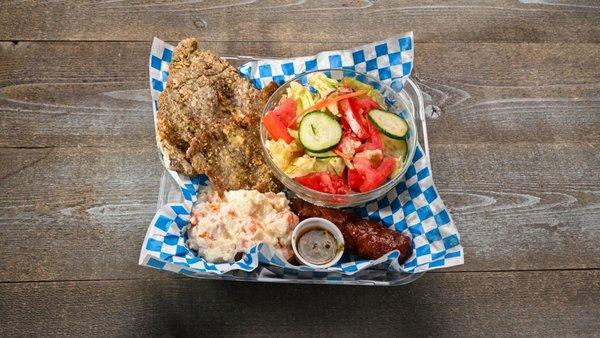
[{"x": 336, "y": 136}]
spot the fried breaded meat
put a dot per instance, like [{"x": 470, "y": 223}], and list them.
[{"x": 208, "y": 122}]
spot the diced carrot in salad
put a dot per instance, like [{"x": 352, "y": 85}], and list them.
[
  {"x": 331, "y": 100},
  {"x": 338, "y": 140}
]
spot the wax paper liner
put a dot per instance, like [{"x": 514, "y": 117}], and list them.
[{"x": 412, "y": 207}]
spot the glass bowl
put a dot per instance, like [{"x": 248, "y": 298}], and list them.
[{"x": 399, "y": 103}]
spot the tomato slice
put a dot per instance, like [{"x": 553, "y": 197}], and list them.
[
  {"x": 365, "y": 177},
  {"x": 355, "y": 179},
  {"x": 354, "y": 120},
  {"x": 338, "y": 184},
  {"x": 324, "y": 182},
  {"x": 286, "y": 113},
  {"x": 363, "y": 105},
  {"x": 276, "y": 128},
  {"x": 362, "y": 164},
  {"x": 374, "y": 178},
  {"x": 375, "y": 140},
  {"x": 375, "y": 135},
  {"x": 356, "y": 176}
]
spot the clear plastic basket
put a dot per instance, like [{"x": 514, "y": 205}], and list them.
[{"x": 169, "y": 192}]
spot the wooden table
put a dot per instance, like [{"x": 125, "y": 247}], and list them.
[{"x": 515, "y": 152}]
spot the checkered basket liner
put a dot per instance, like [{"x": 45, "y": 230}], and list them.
[{"x": 412, "y": 207}]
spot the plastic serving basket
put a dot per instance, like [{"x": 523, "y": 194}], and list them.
[{"x": 169, "y": 192}]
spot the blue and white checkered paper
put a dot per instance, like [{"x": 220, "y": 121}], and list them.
[
  {"x": 390, "y": 61},
  {"x": 412, "y": 207}
]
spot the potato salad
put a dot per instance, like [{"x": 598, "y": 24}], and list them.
[{"x": 222, "y": 227}]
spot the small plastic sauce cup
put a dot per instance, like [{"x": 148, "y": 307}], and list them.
[{"x": 317, "y": 242}]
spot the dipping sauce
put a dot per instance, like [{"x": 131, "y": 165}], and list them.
[
  {"x": 317, "y": 246},
  {"x": 317, "y": 242}
]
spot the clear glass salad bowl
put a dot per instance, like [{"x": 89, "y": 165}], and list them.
[{"x": 400, "y": 102}]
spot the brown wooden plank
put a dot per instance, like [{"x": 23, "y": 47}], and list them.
[
  {"x": 518, "y": 203},
  {"x": 550, "y": 303},
  {"x": 82, "y": 212},
  {"x": 310, "y": 21},
  {"x": 77, "y": 212},
  {"x": 66, "y": 94}
]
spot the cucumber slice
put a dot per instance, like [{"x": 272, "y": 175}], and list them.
[
  {"x": 388, "y": 123},
  {"x": 319, "y": 132},
  {"x": 324, "y": 154}
]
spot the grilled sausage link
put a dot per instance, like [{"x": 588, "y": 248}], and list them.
[{"x": 367, "y": 239}]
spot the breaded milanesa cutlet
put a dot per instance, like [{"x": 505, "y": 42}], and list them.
[{"x": 208, "y": 122}]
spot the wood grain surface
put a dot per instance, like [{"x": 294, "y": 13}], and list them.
[
  {"x": 82, "y": 93},
  {"x": 303, "y": 21},
  {"x": 553, "y": 303},
  {"x": 515, "y": 144}
]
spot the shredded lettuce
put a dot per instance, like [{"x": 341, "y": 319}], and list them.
[
  {"x": 335, "y": 165},
  {"x": 371, "y": 92},
  {"x": 302, "y": 96},
  {"x": 283, "y": 154},
  {"x": 333, "y": 108},
  {"x": 322, "y": 83},
  {"x": 396, "y": 149},
  {"x": 301, "y": 166},
  {"x": 305, "y": 165},
  {"x": 293, "y": 133},
  {"x": 325, "y": 86},
  {"x": 321, "y": 164}
]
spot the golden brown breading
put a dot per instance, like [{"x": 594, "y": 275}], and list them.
[{"x": 208, "y": 122}]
